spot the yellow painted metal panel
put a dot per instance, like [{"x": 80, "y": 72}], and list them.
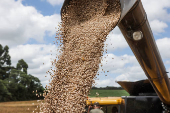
[{"x": 105, "y": 101}]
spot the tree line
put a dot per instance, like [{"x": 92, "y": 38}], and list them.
[{"x": 15, "y": 83}]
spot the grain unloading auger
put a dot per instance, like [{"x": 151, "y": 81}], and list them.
[{"x": 135, "y": 27}]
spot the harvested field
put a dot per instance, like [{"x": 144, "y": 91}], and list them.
[{"x": 19, "y": 107}]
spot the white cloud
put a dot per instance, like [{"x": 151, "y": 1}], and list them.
[
  {"x": 157, "y": 14},
  {"x": 116, "y": 30},
  {"x": 115, "y": 63},
  {"x": 126, "y": 67},
  {"x": 106, "y": 82},
  {"x": 167, "y": 62},
  {"x": 35, "y": 56},
  {"x": 55, "y": 2},
  {"x": 114, "y": 42},
  {"x": 133, "y": 73},
  {"x": 120, "y": 68},
  {"x": 130, "y": 73},
  {"x": 164, "y": 47},
  {"x": 158, "y": 26},
  {"x": 157, "y": 9},
  {"x": 19, "y": 23}
]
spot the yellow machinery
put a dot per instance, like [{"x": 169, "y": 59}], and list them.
[
  {"x": 146, "y": 96},
  {"x": 105, "y": 101}
]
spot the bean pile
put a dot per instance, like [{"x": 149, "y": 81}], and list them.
[{"x": 85, "y": 25}]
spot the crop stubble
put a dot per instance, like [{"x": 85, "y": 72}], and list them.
[{"x": 85, "y": 25}]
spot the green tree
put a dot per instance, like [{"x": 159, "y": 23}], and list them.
[
  {"x": 5, "y": 58},
  {"x": 34, "y": 85},
  {"x": 5, "y": 95},
  {"x": 22, "y": 65},
  {"x": 22, "y": 85},
  {"x": 15, "y": 83},
  {"x": 5, "y": 62}
]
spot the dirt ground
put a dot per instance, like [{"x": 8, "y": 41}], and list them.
[{"x": 19, "y": 107}]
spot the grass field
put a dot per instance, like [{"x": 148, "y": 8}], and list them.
[
  {"x": 30, "y": 106},
  {"x": 108, "y": 93}
]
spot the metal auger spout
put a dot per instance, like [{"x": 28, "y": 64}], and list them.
[{"x": 137, "y": 32}]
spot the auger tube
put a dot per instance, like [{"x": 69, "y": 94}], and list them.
[{"x": 138, "y": 34}]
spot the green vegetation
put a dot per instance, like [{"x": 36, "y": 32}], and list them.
[
  {"x": 108, "y": 93},
  {"x": 15, "y": 83}
]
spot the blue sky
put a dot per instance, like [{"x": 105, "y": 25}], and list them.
[
  {"x": 43, "y": 6},
  {"x": 28, "y": 27}
]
